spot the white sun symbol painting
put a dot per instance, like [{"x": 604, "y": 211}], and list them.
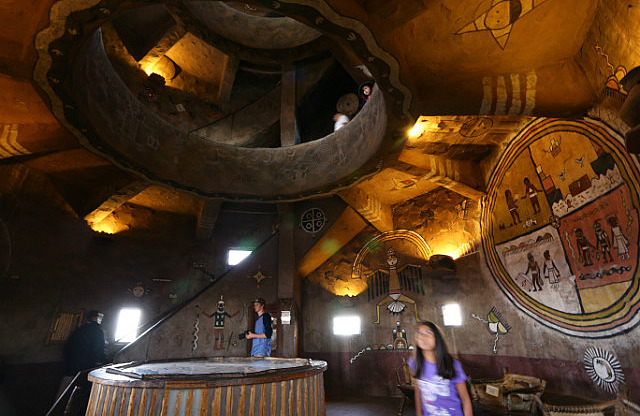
[{"x": 604, "y": 369}]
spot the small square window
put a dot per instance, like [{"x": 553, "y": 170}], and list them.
[
  {"x": 451, "y": 314},
  {"x": 235, "y": 256},
  {"x": 285, "y": 317},
  {"x": 127, "y": 326},
  {"x": 346, "y": 325}
]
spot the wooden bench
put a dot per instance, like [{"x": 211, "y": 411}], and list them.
[{"x": 405, "y": 384}]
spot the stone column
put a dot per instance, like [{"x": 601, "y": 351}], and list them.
[
  {"x": 289, "y": 289},
  {"x": 288, "y": 106}
]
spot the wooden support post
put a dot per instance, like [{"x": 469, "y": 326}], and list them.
[
  {"x": 288, "y": 283},
  {"x": 288, "y": 106}
]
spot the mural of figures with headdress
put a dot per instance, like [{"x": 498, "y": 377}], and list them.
[
  {"x": 602, "y": 242},
  {"x": 511, "y": 205},
  {"x": 620, "y": 242},
  {"x": 395, "y": 301},
  {"x": 584, "y": 247},
  {"x": 580, "y": 228},
  {"x": 549, "y": 270},
  {"x": 532, "y": 192},
  {"x": 533, "y": 267},
  {"x": 218, "y": 326},
  {"x": 537, "y": 255}
]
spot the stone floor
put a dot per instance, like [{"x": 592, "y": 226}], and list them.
[
  {"x": 370, "y": 406},
  {"x": 366, "y": 406}
]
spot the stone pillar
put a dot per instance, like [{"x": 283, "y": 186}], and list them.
[
  {"x": 288, "y": 106},
  {"x": 289, "y": 289}
]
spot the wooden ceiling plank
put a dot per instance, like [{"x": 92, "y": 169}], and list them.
[
  {"x": 207, "y": 218},
  {"x": 118, "y": 196}
]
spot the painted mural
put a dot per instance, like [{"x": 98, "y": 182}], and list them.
[
  {"x": 500, "y": 18},
  {"x": 604, "y": 369},
  {"x": 496, "y": 324},
  {"x": 560, "y": 227},
  {"x": 393, "y": 281},
  {"x": 613, "y": 86}
]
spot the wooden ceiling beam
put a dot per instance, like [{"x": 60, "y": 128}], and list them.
[
  {"x": 207, "y": 217},
  {"x": 369, "y": 207},
  {"x": 118, "y": 194},
  {"x": 463, "y": 177}
]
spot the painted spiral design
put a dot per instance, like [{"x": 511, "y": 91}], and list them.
[
  {"x": 196, "y": 329},
  {"x": 351, "y": 360}
]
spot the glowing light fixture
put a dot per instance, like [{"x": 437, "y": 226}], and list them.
[
  {"x": 102, "y": 227},
  {"x": 109, "y": 225},
  {"x": 451, "y": 314},
  {"x": 236, "y": 256},
  {"x": 164, "y": 67},
  {"x": 127, "y": 326},
  {"x": 416, "y": 130},
  {"x": 346, "y": 325}
]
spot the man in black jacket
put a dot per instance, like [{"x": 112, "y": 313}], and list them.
[{"x": 86, "y": 346}]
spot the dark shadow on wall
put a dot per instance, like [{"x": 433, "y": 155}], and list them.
[
  {"x": 316, "y": 109},
  {"x": 32, "y": 401}
]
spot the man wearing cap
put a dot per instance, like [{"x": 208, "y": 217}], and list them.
[
  {"x": 85, "y": 348},
  {"x": 261, "y": 335}
]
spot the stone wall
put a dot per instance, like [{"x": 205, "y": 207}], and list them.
[
  {"x": 505, "y": 322},
  {"x": 58, "y": 264}
]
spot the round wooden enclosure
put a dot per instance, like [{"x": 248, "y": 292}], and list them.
[{"x": 214, "y": 386}]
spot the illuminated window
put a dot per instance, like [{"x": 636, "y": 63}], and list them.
[
  {"x": 236, "y": 256},
  {"x": 451, "y": 314},
  {"x": 346, "y": 325},
  {"x": 127, "y": 327}
]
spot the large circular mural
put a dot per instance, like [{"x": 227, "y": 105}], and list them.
[{"x": 560, "y": 227}]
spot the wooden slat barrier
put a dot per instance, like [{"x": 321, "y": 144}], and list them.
[{"x": 292, "y": 394}]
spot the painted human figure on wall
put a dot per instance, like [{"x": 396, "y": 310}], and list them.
[
  {"x": 218, "y": 324},
  {"x": 584, "y": 248},
  {"x": 395, "y": 300},
  {"x": 549, "y": 269},
  {"x": 588, "y": 219},
  {"x": 533, "y": 267},
  {"x": 513, "y": 208},
  {"x": 620, "y": 242},
  {"x": 602, "y": 242},
  {"x": 532, "y": 192}
]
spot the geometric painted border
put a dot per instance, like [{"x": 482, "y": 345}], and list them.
[
  {"x": 617, "y": 318},
  {"x": 375, "y": 242}
]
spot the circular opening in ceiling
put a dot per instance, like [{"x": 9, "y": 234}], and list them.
[{"x": 106, "y": 97}]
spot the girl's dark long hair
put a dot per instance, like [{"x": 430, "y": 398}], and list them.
[{"x": 444, "y": 361}]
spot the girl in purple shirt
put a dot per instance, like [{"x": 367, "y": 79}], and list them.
[{"x": 439, "y": 379}]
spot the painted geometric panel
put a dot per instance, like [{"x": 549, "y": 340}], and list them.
[{"x": 560, "y": 227}]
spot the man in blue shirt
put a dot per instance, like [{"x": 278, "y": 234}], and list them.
[{"x": 261, "y": 335}]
